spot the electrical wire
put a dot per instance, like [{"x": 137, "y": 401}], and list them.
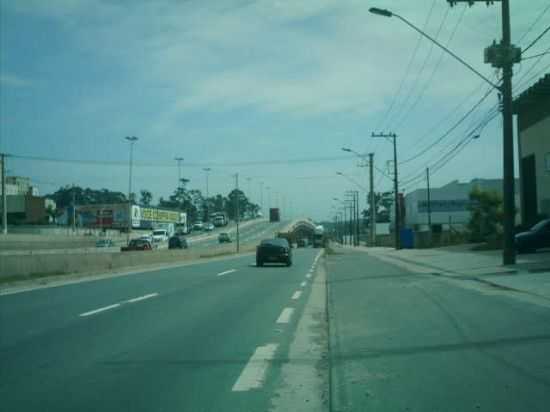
[
  {"x": 546, "y": 30},
  {"x": 540, "y": 16},
  {"x": 450, "y": 130},
  {"x": 386, "y": 116},
  {"x": 429, "y": 81}
]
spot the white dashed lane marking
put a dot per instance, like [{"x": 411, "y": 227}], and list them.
[
  {"x": 226, "y": 272},
  {"x": 297, "y": 295},
  {"x": 303, "y": 284},
  {"x": 149, "y": 296},
  {"x": 285, "y": 315},
  {"x": 253, "y": 374},
  {"x": 103, "y": 309}
]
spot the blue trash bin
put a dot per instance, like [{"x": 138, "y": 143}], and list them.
[{"x": 407, "y": 238}]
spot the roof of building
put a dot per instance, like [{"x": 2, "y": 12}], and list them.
[{"x": 533, "y": 94}]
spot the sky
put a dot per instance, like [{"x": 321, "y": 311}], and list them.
[{"x": 271, "y": 90}]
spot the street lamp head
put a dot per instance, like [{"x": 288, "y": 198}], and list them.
[
  {"x": 339, "y": 173},
  {"x": 131, "y": 138},
  {"x": 345, "y": 149},
  {"x": 476, "y": 136},
  {"x": 207, "y": 169},
  {"x": 381, "y": 12}
]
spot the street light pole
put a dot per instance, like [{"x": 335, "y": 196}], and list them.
[
  {"x": 429, "y": 199},
  {"x": 237, "y": 196},
  {"x": 132, "y": 140},
  {"x": 372, "y": 201},
  {"x": 4, "y": 196},
  {"x": 206, "y": 170},
  {"x": 180, "y": 161}
]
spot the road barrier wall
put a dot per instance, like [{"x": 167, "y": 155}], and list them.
[{"x": 13, "y": 267}]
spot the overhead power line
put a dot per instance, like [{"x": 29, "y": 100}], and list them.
[
  {"x": 546, "y": 30},
  {"x": 170, "y": 164},
  {"x": 451, "y": 129}
]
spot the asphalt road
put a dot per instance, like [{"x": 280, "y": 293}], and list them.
[
  {"x": 202, "y": 337},
  {"x": 405, "y": 341}
]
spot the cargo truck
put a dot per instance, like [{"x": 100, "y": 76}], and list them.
[{"x": 274, "y": 215}]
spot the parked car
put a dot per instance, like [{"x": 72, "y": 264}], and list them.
[
  {"x": 160, "y": 235},
  {"x": 177, "y": 242},
  {"x": 198, "y": 226},
  {"x": 224, "y": 238},
  {"x": 538, "y": 237},
  {"x": 275, "y": 250},
  {"x": 137, "y": 244},
  {"x": 209, "y": 227},
  {"x": 104, "y": 243}
]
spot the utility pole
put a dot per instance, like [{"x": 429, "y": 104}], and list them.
[
  {"x": 503, "y": 56},
  {"x": 3, "y": 157},
  {"x": 206, "y": 171},
  {"x": 74, "y": 209},
  {"x": 372, "y": 201},
  {"x": 132, "y": 140},
  {"x": 237, "y": 208},
  {"x": 429, "y": 198},
  {"x": 262, "y": 197},
  {"x": 397, "y": 228},
  {"x": 358, "y": 218},
  {"x": 180, "y": 161}
]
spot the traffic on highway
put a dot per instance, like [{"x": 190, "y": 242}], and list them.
[{"x": 275, "y": 206}]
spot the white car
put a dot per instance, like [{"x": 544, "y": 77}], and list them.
[
  {"x": 208, "y": 227},
  {"x": 160, "y": 235}
]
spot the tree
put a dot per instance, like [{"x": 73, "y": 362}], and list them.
[
  {"x": 146, "y": 197},
  {"x": 63, "y": 197},
  {"x": 486, "y": 214}
]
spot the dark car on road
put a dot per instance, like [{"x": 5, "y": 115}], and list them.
[
  {"x": 137, "y": 244},
  {"x": 276, "y": 250},
  {"x": 538, "y": 237},
  {"x": 177, "y": 242},
  {"x": 224, "y": 238}
]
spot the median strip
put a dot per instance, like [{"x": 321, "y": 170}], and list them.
[
  {"x": 253, "y": 374},
  {"x": 226, "y": 272}
]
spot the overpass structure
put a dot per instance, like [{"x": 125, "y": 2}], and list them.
[{"x": 298, "y": 229}]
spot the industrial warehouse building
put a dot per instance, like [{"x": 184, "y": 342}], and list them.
[{"x": 533, "y": 122}]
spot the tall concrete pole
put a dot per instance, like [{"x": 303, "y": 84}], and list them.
[
  {"x": 237, "y": 209},
  {"x": 4, "y": 197},
  {"x": 132, "y": 140},
  {"x": 508, "y": 252},
  {"x": 372, "y": 201}
]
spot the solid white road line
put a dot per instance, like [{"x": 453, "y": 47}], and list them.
[
  {"x": 297, "y": 295},
  {"x": 303, "y": 284},
  {"x": 149, "y": 296},
  {"x": 285, "y": 315},
  {"x": 93, "y": 312},
  {"x": 253, "y": 374},
  {"x": 226, "y": 272}
]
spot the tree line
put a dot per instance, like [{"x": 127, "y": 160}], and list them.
[{"x": 192, "y": 201}]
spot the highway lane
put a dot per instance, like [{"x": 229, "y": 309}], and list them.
[{"x": 173, "y": 339}]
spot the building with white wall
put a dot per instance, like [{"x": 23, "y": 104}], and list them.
[{"x": 448, "y": 204}]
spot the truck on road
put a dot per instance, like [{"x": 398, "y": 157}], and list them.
[
  {"x": 319, "y": 236},
  {"x": 274, "y": 215}
]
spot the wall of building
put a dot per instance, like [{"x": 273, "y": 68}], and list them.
[{"x": 535, "y": 140}]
